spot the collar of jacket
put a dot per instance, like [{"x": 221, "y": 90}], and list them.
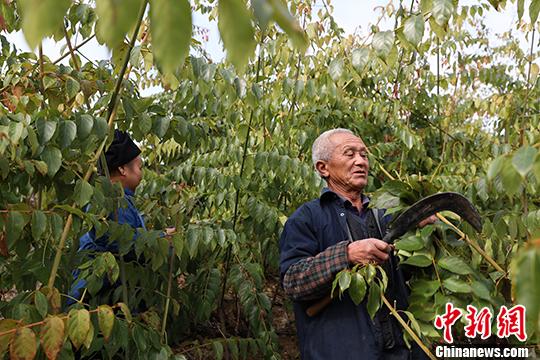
[{"x": 328, "y": 195}]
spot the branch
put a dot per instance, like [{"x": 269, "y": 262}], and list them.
[
  {"x": 407, "y": 328},
  {"x": 90, "y": 171}
]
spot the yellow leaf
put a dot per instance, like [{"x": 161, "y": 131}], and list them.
[
  {"x": 23, "y": 345},
  {"x": 52, "y": 336},
  {"x": 105, "y": 320}
]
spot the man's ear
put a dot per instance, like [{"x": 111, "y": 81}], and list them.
[
  {"x": 122, "y": 170},
  {"x": 322, "y": 169}
]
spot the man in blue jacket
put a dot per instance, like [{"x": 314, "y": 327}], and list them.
[
  {"x": 125, "y": 167},
  {"x": 329, "y": 234}
]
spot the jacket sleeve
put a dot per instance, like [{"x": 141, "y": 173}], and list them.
[{"x": 307, "y": 274}]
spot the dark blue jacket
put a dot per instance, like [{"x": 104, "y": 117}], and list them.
[
  {"x": 342, "y": 330},
  {"x": 88, "y": 242}
]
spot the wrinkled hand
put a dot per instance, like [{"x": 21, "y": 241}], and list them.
[
  {"x": 368, "y": 250},
  {"x": 428, "y": 221},
  {"x": 170, "y": 231}
]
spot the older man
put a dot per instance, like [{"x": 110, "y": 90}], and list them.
[{"x": 327, "y": 235}]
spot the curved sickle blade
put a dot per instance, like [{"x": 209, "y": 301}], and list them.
[{"x": 431, "y": 205}]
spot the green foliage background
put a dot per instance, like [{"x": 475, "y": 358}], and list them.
[{"x": 227, "y": 159}]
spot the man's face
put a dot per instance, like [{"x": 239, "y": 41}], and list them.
[
  {"x": 132, "y": 173},
  {"x": 348, "y": 166}
]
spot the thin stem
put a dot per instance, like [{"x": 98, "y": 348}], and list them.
[
  {"x": 168, "y": 298},
  {"x": 407, "y": 328},
  {"x": 71, "y": 51},
  {"x": 237, "y": 196},
  {"x": 474, "y": 245},
  {"x": 76, "y": 48},
  {"x": 7, "y": 332}
]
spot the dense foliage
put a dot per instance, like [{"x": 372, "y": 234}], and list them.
[{"x": 227, "y": 159}]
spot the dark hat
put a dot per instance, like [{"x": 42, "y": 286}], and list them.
[{"x": 121, "y": 151}]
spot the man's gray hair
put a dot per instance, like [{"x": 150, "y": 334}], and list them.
[{"x": 322, "y": 146}]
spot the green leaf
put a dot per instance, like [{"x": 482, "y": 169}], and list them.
[
  {"x": 52, "y": 336},
  {"x": 511, "y": 180},
  {"x": 15, "y": 225},
  {"x": 414, "y": 322},
  {"x": 193, "y": 242},
  {"x": 536, "y": 170},
  {"x": 418, "y": 260},
  {"x": 407, "y": 138},
  {"x": 455, "y": 265},
  {"x": 218, "y": 350},
  {"x": 53, "y": 158},
  {"x": 67, "y": 133},
  {"x": 39, "y": 224},
  {"x": 335, "y": 69},
  {"x": 495, "y": 167},
  {"x": 84, "y": 126},
  {"x": 263, "y": 12},
  {"x": 115, "y": 19},
  {"x": 41, "y": 166},
  {"x": 126, "y": 312},
  {"x": 344, "y": 281},
  {"x": 520, "y": 8},
  {"x": 410, "y": 243},
  {"x": 481, "y": 290},
  {"x": 456, "y": 285},
  {"x": 32, "y": 140},
  {"x": 523, "y": 159},
  {"x": 83, "y": 192},
  {"x": 374, "y": 299},
  {"x": 360, "y": 58},
  {"x": 288, "y": 23},
  {"x": 15, "y": 131},
  {"x": 534, "y": 9},
  {"x": 425, "y": 287},
  {"x": 426, "y": 6},
  {"x": 171, "y": 29},
  {"x": 72, "y": 87},
  {"x": 161, "y": 125},
  {"x": 145, "y": 123},
  {"x": 525, "y": 270},
  {"x": 442, "y": 10},
  {"x": 23, "y": 346},
  {"x": 371, "y": 271},
  {"x": 41, "y": 18},
  {"x": 106, "y": 321},
  {"x": 42, "y": 305},
  {"x": 237, "y": 33},
  {"x": 383, "y": 41},
  {"x": 5, "y": 325},
  {"x": 101, "y": 128},
  {"x": 45, "y": 130},
  {"x": 413, "y": 29},
  {"x": 241, "y": 87},
  {"x": 78, "y": 326},
  {"x": 357, "y": 290}
]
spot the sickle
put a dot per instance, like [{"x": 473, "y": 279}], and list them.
[{"x": 410, "y": 218}]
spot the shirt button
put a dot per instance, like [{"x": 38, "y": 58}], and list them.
[{"x": 342, "y": 214}]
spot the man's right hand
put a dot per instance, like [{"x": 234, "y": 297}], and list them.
[{"x": 368, "y": 250}]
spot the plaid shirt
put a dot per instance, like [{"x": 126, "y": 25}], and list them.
[{"x": 312, "y": 277}]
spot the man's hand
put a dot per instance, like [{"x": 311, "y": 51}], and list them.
[
  {"x": 170, "y": 231},
  {"x": 368, "y": 250},
  {"x": 428, "y": 221}
]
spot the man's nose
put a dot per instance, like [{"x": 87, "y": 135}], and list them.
[{"x": 360, "y": 160}]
